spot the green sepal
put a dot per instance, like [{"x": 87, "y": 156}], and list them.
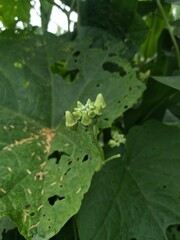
[
  {"x": 100, "y": 102},
  {"x": 79, "y": 105},
  {"x": 91, "y": 113},
  {"x": 77, "y": 115},
  {"x": 86, "y": 120},
  {"x": 70, "y": 119}
]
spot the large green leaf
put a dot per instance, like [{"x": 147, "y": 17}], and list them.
[
  {"x": 137, "y": 197},
  {"x": 41, "y": 191},
  {"x": 28, "y": 74},
  {"x": 45, "y": 169}
]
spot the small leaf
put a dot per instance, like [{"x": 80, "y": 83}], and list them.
[{"x": 173, "y": 81}]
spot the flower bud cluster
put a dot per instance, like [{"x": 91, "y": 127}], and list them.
[
  {"x": 117, "y": 139},
  {"x": 85, "y": 113}
]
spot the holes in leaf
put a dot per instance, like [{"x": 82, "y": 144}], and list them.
[
  {"x": 112, "y": 55},
  {"x": 106, "y": 119},
  {"x": 114, "y": 68},
  {"x": 67, "y": 171},
  {"x": 69, "y": 163},
  {"x": 172, "y": 232},
  {"x": 98, "y": 85},
  {"x": 76, "y": 53},
  {"x": 125, "y": 107},
  {"x": 178, "y": 228},
  {"x": 54, "y": 198},
  {"x": 164, "y": 186},
  {"x": 61, "y": 69},
  {"x": 32, "y": 214},
  {"x": 26, "y": 206},
  {"x": 133, "y": 239},
  {"x": 86, "y": 157},
  {"x": 57, "y": 155}
]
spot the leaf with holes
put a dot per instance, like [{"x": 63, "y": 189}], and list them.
[
  {"x": 45, "y": 76},
  {"x": 45, "y": 169},
  {"x": 136, "y": 198},
  {"x": 44, "y": 176}
]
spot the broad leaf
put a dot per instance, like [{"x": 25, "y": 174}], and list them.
[
  {"x": 173, "y": 81},
  {"x": 41, "y": 191},
  {"x": 30, "y": 70},
  {"x": 137, "y": 197},
  {"x": 45, "y": 168}
]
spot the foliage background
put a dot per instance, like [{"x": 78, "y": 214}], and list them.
[{"x": 50, "y": 183}]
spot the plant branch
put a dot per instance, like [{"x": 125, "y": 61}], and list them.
[
  {"x": 58, "y": 6},
  {"x": 170, "y": 31}
]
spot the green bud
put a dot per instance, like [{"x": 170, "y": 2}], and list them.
[
  {"x": 86, "y": 120},
  {"x": 77, "y": 115},
  {"x": 79, "y": 105},
  {"x": 117, "y": 139},
  {"x": 91, "y": 113},
  {"x": 70, "y": 119},
  {"x": 88, "y": 103},
  {"x": 99, "y": 102},
  {"x": 98, "y": 110},
  {"x": 112, "y": 143}
]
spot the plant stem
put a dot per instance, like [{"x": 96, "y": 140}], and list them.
[
  {"x": 112, "y": 158},
  {"x": 94, "y": 133},
  {"x": 170, "y": 32},
  {"x": 78, "y": 12}
]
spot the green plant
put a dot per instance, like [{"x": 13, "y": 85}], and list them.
[{"x": 89, "y": 122}]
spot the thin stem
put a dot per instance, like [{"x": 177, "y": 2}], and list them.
[
  {"x": 170, "y": 32},
  {"x": 58, "y": 6},
  {"x": 112, "y": 158},
  {"x": 78, "y": 12},
  {"x": 68, "y": 14},
  {"x": 95, "y": 131}
]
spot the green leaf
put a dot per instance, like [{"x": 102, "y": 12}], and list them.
[
  {"x": 11, "y": 12},
  {"x": 5, "y": 225},
  {"x": 136, "y": 197},
  {"x": 44, "y": 95},
  {"x": 44, "y": 177},
  {"x": 176, "y": 2},
  {"x": 106, "y": 15},
  {"x": 155, "y": 101},
  {"x": 171, "y": 81},
  {"x": 156, "y": 25},
  {"x": 45, "y": 169}
]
